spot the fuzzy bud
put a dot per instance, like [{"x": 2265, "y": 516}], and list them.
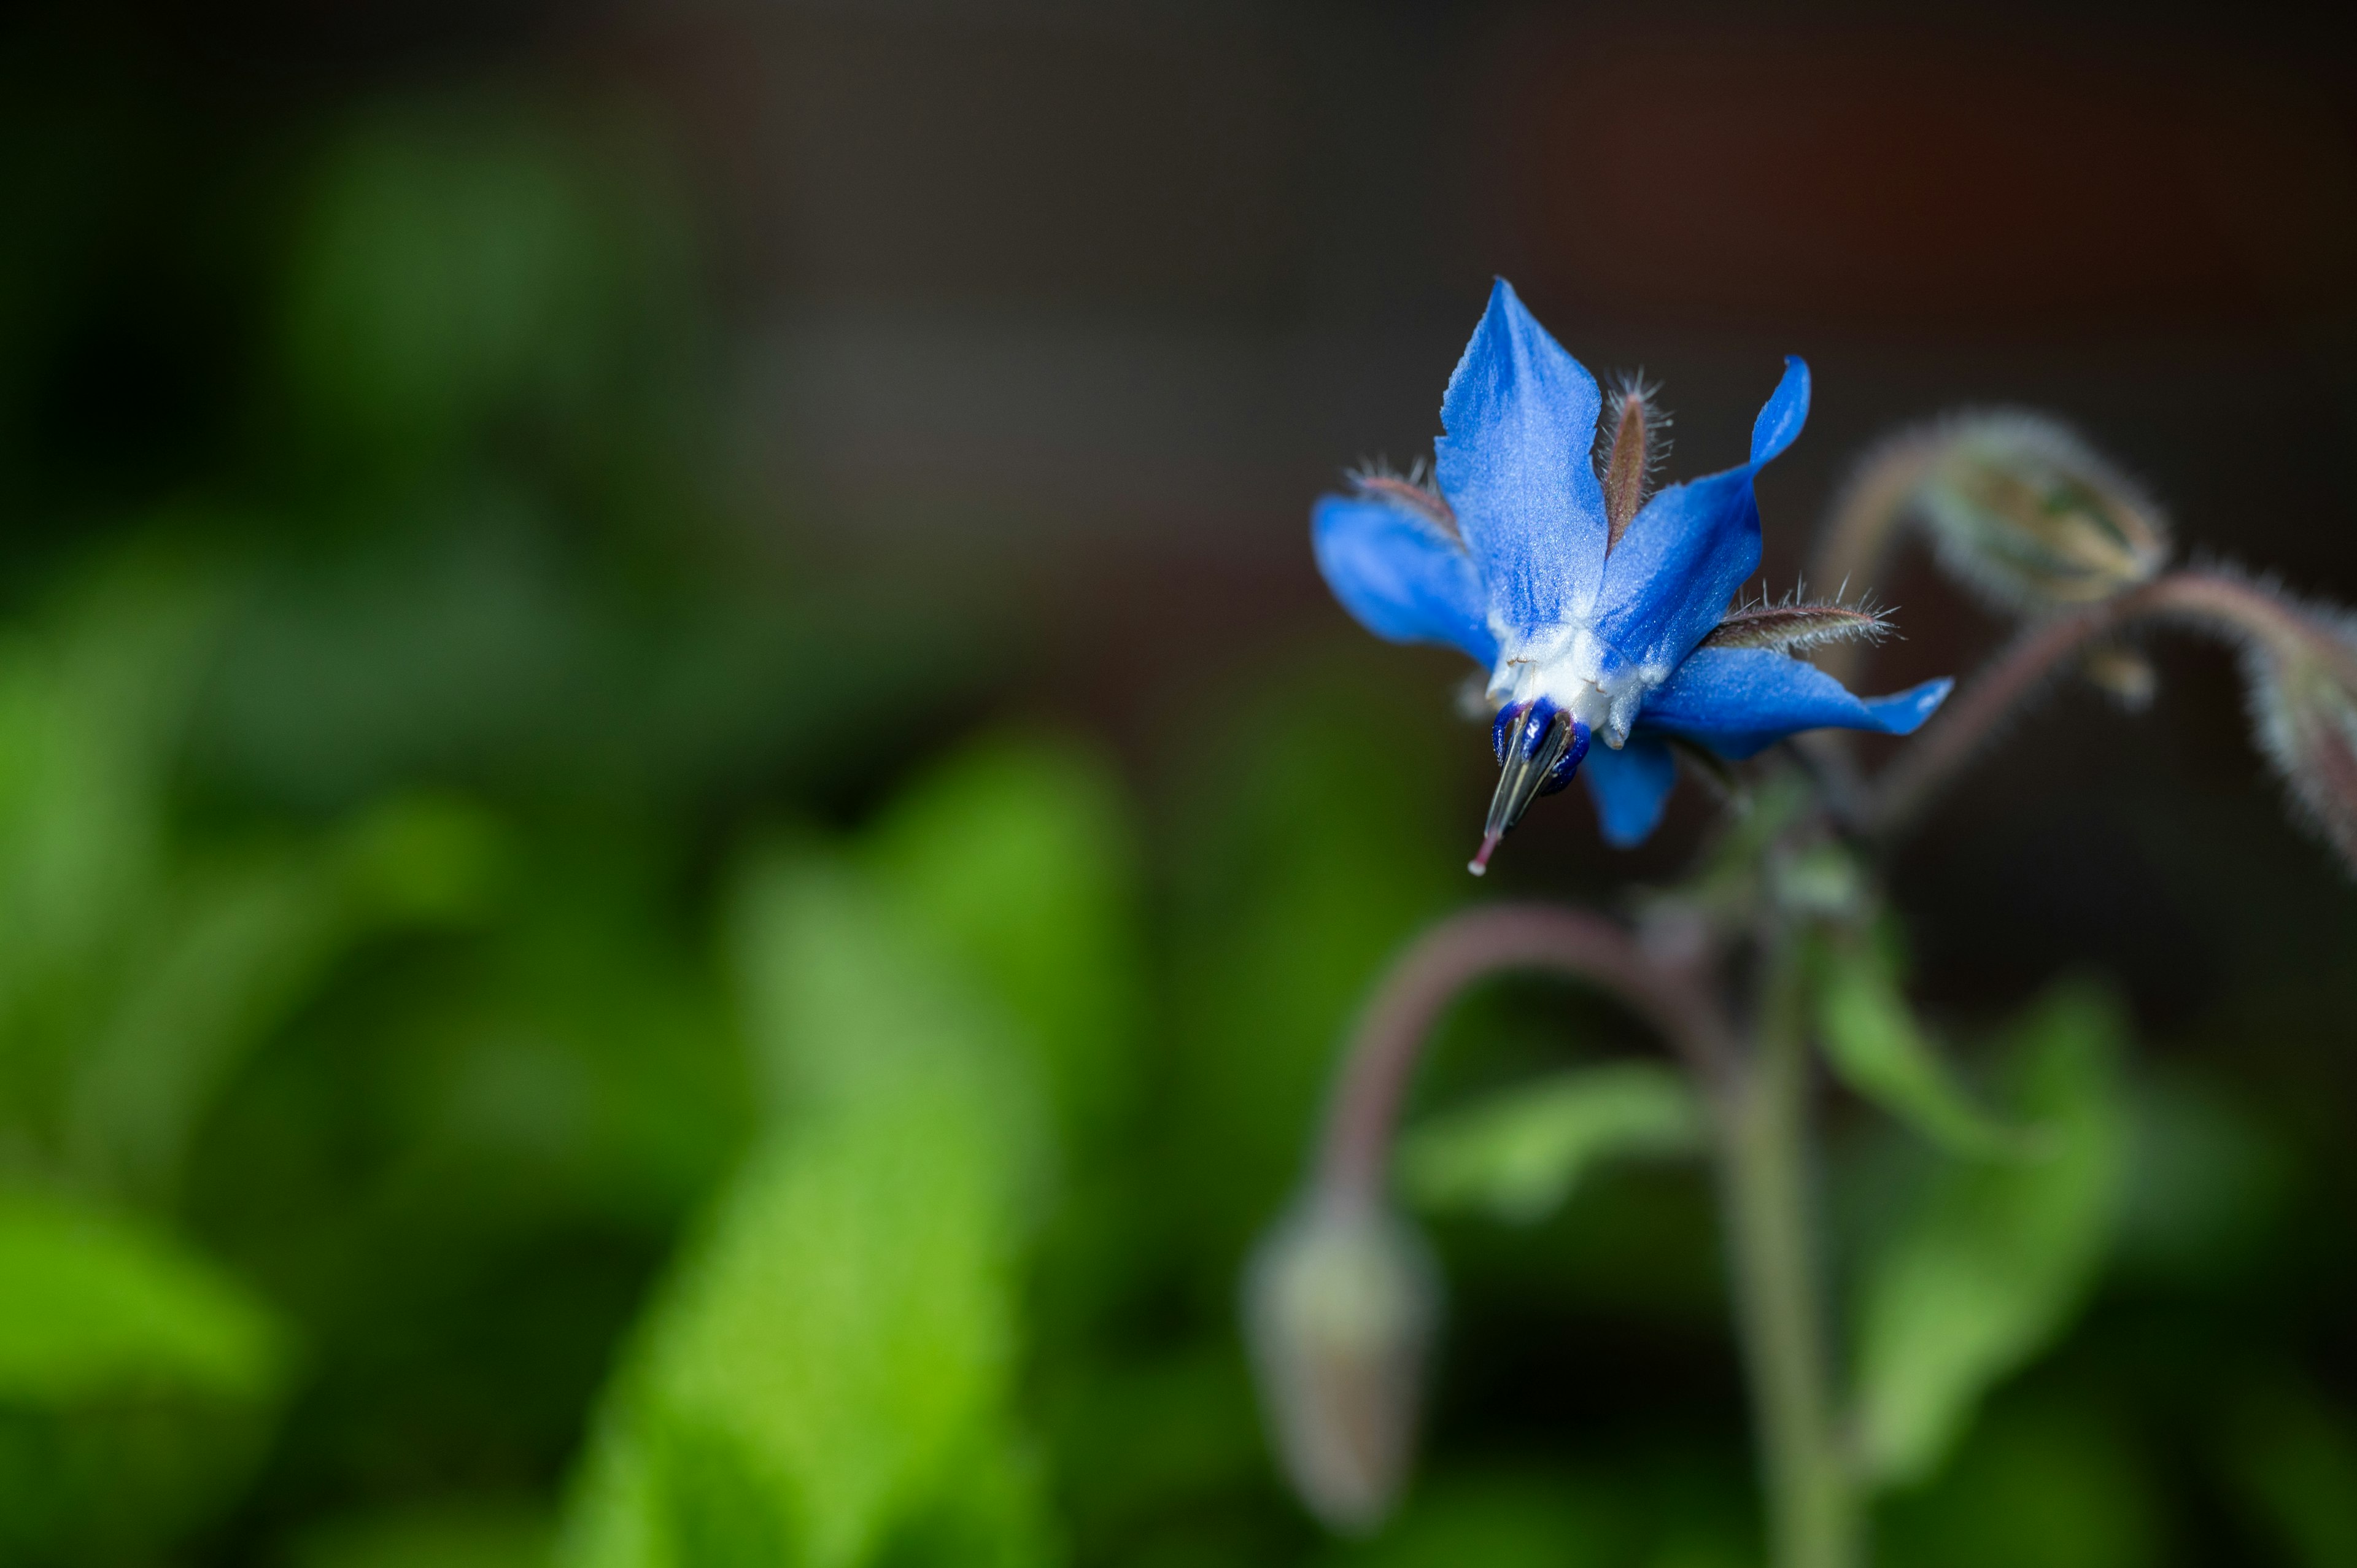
[
  {"x": 2304, "y": 707},
  {"x": 1340, "y": 1302},
  {"x": 2027, "y": 514}
]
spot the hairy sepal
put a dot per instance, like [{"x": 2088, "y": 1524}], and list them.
[{"x": 1793, "y": 627}]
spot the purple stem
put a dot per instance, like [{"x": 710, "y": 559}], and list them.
[
  {"x": 2209, "y": 601},
  {"x": 1391, "y": 1036}
]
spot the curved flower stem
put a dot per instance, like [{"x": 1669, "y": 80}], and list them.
[
  {"x": 1497, "y": 938},
  {"x": 1759, "y": 1116},
  {"x": 2209, "y": 601},
  {"x": 1814, "y": 1509},
  {"x": 1859, "y": 533}
]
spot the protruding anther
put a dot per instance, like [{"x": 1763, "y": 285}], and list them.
[{"x": 1537, "y": 755}]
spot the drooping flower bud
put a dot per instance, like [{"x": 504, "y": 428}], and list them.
[
  {"x": 2304, "y": 707},
  {"x": 2026, "y": 512},
  {"x": 1340, "y": 1302}
]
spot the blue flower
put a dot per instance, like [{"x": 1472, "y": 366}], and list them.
[{"x": 1600, "y": 612}]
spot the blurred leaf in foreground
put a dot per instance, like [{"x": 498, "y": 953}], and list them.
[
  {"x": 2292, "y": 1459},
  {"x": 138, "y": 969},
  {"x": 828, "y": 1376},
  {"x": 1877, "y": 1047},
  {"x": 1301, "y": 873},
  {"x": 1993, "y": 1259},
  {"x": 1016, "y": 858},
  {"x": 2043, "y": 1485},
  {"x": 449, "y": 1535},
  {"x": 460, "y": 265},
  {"x": 1499, "y": 1521},
  {"x": 228, "y": 949},
  {"x": 137, "y": 1384},
  {"x": 1518, "y": 1154}
]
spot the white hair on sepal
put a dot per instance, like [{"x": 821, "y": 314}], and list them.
[
  {"x": 1659, "y": 421},
  {"x": 1796, "y": 623},
  {"x": 1633, "y": 411},
  {"x": 1412, "y": 491}
]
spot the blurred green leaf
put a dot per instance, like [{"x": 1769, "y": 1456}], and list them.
[
  {"x": 2047, "y": 1485},
  {"x": 2292, "y": 1460},
  {"x": 828, "y": 1375},
  {"x": 227, "y": 952},
  {"x": 444, "y": 1535},
  {"x": 137, "y": 1382},
  {"x": 1991, "y": 1262},
  {"x": 99, "y": 1305},
  {"x": 1018, "y": 857},
  {"x": 458, "y": 265},
  {"x": 2207, "y": 1185},
  {"x": 136, "y": 970},
  {"x": 1303, "y": 870},
  {"x": 1878, "y": 1049},
  {"x": 1499, "y": 1521},
  {"x": 1520, "y": 1154},
  {"x": 427, "y": 857},
  {"x": 224, "y": 955},
  {"x": 92, "y": 697}
]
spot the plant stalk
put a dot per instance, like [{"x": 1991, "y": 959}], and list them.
[
  {"x": 2206, "y": 601},
  {"x": 1354, "y": 1153},
  {"x": 1814, "y": 1512}
]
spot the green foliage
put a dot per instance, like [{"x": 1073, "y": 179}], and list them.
[
  {"x": 830, "y": 1373},
  {"x": 1521, "y": 1153},
  {"x": 830, "y": 1367},
  {"x": 2039, "y": 1485},
  {"x": 137, "y": 1382},
  {"x": 140, "y": 971},
  {"x": 462, "y": 267},
  {"x": 2292, "y": 1458},
  {"x": 450, "y": 1535},
  {"x": 100, "y": 1307},
  {"x": 1989, "y": 1262},
  {"x": 400, "y": 1170},
  {"x": 1018, "y": 858},
  {"x": 1285, "y": 914},
  {"x": 1874, "y": 1041},
  {"x": 1502, "y": 1521}
]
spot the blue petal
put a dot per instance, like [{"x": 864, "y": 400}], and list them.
[
  {"x": 1400, "y": 576},
  {"x": 1631, "y": 788},
  {"x": 1670, "y": 577},
  {"x": 1738, "y": 701},
  {"x": 1518, "y": 464}
]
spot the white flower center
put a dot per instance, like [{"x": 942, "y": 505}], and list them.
[{"x": 1580, "y": 673}]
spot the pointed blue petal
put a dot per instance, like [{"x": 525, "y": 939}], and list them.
[
  {"x": 1631, "y": 788},
  {"x": 1738, "y": 701},
  {"x": 1782, "y": 416},
  {"x": 1400, "y": 576},
  {"x": 1518, "y": 464},
  {"x": 1670, "y": 577}
]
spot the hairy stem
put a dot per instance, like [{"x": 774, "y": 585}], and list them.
[
  {"x": 1815, "y": 1515},
  {"x": 1455, "y": 953},
  {"x": 2211, "y": 602}
]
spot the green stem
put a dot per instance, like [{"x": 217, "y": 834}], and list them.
[{"x": 1813, "y": 1516}]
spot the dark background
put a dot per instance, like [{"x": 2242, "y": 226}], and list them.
[{"x": 944, "y": 366}]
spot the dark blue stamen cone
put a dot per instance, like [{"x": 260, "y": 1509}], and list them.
[{"x": 1543, "y": 738}]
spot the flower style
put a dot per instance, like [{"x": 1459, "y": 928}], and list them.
[{"x": 1600, "y": 611}]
